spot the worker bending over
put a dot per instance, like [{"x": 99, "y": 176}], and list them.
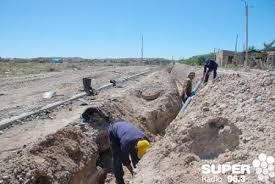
[
  {"x": 126, "y": 140},
  {"x": 209, "y": 66}
]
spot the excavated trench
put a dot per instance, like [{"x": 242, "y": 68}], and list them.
[
  {"x": 80, "y": 153},
  {"x": 153, "y": 121}
]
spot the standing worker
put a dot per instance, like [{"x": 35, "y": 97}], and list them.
[
  {"x": 209, "y": 66},
  {"x": 187, "y": 87},
  {"x": 126, "y": 140}
]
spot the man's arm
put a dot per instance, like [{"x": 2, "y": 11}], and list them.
[
  {"x": 182, "y": 93},
  {"x": 126, "y": 161},
  {"x": 188, "y": 89},
  {"x": 130, "y": 168},
  {"x": 125, "y": 157},
  {"x": 206, "y": 69}
]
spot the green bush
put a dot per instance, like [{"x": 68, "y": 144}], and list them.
[
  {"x": 199, "y": 59},
  {"x": 195, "y": 60}
]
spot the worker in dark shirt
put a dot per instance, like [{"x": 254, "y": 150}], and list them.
[
  {"x": 126, "y": 140},
  {"x": 209, "y": 66}
]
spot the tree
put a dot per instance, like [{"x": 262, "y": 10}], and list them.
[
  {"x": 251, "y": 48},
  {"x": 198, "y": 59},
  {"x": 269, "y": 46},
  {"x": 195, "y": 60},
  {"x": 259, "y": 55}
]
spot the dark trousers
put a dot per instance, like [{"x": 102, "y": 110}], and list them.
[
  {"x": 118, "y": 165},
  {"x": 208, "y": 73},
  {"x": 117, "y": 162}
]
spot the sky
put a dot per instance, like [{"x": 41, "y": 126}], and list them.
[{"x": 113, "y": 28}]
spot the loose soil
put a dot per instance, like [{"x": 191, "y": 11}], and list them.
[
  {"x": 78, "y": 153},
  {"x": 230, "y": 120}
]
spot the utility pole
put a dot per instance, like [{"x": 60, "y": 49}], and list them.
[
  {"x": 246, "y": 33},
  {"x": 141, "y": 48},
  {"x": 214, "y": 54},
  {"x": 236, "y": 44},
  {"x": 236, "y": 50},
  {"x": 173, "y": 60}
]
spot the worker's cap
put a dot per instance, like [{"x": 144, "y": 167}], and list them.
[{"x": 142, "y": 147}]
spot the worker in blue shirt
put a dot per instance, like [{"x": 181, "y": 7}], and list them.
[
  {"x": 126, "y": 140},
  {"x": 209, "y": 66}
]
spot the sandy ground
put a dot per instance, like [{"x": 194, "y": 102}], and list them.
[
  {"x": 29, "y": 92},
  {"x": 230, "y": 121},
  {"x": 74, "y": 154},
  {"x": 24, "y": 93}
]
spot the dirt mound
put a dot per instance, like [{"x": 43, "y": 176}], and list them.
[
  {"x": 151, "y": 105},
  {"x": 55, "y": 159},
  {"x": 229, "y": 121}
]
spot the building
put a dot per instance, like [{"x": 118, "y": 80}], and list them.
[
  {"x": 271, "y": 57},
  {"x": 225, "y": 57}
]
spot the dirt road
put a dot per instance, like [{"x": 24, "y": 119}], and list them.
[{"x": 24, "y": 93}]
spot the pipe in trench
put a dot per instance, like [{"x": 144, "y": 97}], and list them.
[{"x": 187, "y": 102}]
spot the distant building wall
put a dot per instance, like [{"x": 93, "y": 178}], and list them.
[
  {"x": 224, "y": 57},
  {"x": 239, "y": 58},
  {"x": 271, "y": 57}
]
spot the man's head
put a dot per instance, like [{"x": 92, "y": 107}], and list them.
[
  {"x": 142, "y": 147},
  {"x": 206, "y": 62},
  {"x": 191, "y": 75}
]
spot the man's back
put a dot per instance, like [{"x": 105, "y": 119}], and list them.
[
  {"x": 211, "y": 64},
  {"x": 124, "y": 133}
]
